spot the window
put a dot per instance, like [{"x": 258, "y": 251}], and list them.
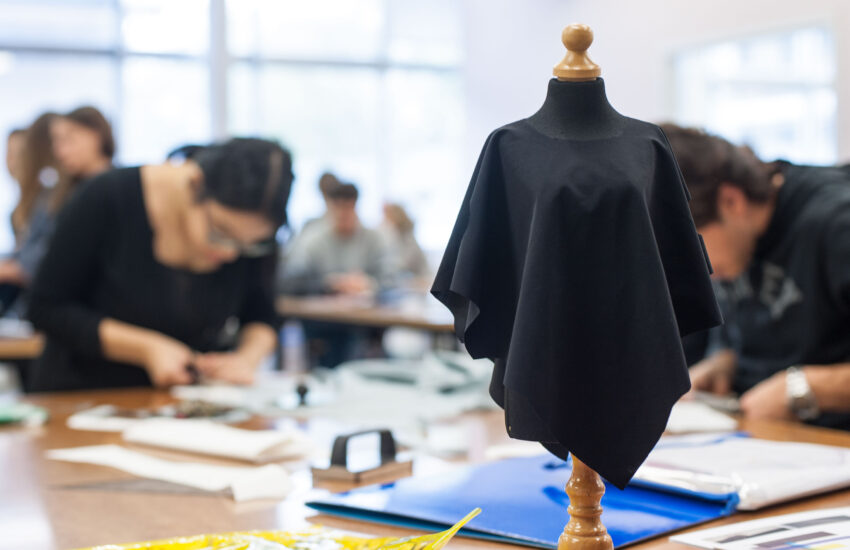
[
  {"x": 165, "y": 104},
  {"x": 142, "y": 62},
  {"x": 369, "y": 89},
  {"x": 775, "y": 93}
]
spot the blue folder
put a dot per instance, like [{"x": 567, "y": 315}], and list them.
[{"x": 523, "y": 502}]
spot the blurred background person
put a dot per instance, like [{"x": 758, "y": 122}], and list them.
[
  {"x": 338, "y": 257},
  {"x": 37, "y": 171},
  {"x": 14, "y": 152},
  {"x": 84, "y": 147},
  {"x": 396, "y": 231},
  {"x": 61, "y": 151},
  {"x": 148, "y": 265},
  {"x": 778, "y": 235},
  {"x": 327, "y": 183}
]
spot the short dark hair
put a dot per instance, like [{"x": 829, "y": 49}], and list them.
[
  {"x": 707, "y": 161},
  {"x": 327, "y": 182},
  {"x": 343, "y": 192},
  {"x": 248, "y": 174}
]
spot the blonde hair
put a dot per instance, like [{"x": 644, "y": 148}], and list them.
[{"x": 397, "y": 215}]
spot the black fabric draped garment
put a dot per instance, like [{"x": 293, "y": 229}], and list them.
[{"x": 574, "y": 264}]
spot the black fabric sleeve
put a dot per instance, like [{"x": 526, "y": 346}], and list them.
[
  {"x": 686, "y": 263},
  {"x": 69, "y": 269},
  {"x": 475, "y": 253},
  {"x": 258, "y": 303}
]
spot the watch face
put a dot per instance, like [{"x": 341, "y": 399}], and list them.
[{"x": 801, "y": 399}]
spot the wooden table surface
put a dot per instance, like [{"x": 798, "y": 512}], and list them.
[
  {"x": 52, "y": 504},
  {"x": 418, "y": 314}
]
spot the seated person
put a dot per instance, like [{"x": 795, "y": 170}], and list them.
[
  {"x": 400, "y": 243},
  {"x": 336, "y": 255},
  {"x": 327, "y": 183},
  {"x": 35, "y": 163},
  {"x": 68, "y": 149},
  {"x": 14, "y": 152},
  {"x": 339, "y": 256},
  {"x": 148, "y": 265},
  {"x": 778, "y": 236}
]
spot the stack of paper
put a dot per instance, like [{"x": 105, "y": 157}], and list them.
[
  {"x": 246, "y": 483},
  {"x": 204, "y": 437},
  {"x": 761, "y": 472},
  {"x": 693, "y": 416}
]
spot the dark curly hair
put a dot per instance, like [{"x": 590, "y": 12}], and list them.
[
  {"x": 248, "y": 174},
  {"x": 707, "y": 161}
]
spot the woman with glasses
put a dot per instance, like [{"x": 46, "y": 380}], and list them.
[{"x": 151, "y": 267}]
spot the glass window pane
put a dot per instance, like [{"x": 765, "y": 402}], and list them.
[
  {"x": 294, "y": 29},
  {"x": 31, "y": 84},
  {"x": 166, "y": 104},
  {"x": 425, "y": 157},
  {"x": 69, "y": 23},
  {"x": 327, "y": 117},
  {"x": 775, "y": 93},
  {"x": 426, "y": 32},
  {"x": 166, "y": 26}
]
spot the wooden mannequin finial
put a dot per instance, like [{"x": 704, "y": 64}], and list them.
[
  {"x": 585, "y": 530},
  {"x": 576, "y": 66}
]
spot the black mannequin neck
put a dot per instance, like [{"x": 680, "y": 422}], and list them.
[{"x": 577, "y": 110}]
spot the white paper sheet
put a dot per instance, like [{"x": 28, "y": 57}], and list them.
[
  {"x": 247, "y": 483},
  {"x": 828, "y": 528},
  {"x": 205, "y": 437},
  {"x": 693, "y": 416},
  {"x": 359, "y": 394},
  {"x": 761, "y": 472},
  {"x": 100, "y": 419}
]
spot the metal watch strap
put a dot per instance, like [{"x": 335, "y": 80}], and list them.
[{"x": 801, "y": 398}]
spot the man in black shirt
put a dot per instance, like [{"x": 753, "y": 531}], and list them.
[{"x": 778, "y": 236}]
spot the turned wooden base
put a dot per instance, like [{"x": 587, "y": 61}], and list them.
[{"x": 585, "y": 530}]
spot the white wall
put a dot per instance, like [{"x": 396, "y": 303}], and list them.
[{"x": 513, "y": 45}]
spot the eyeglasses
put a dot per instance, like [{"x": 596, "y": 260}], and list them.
[{"x": 217, "y": 237}]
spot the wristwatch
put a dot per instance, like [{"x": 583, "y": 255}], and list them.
[{"x": 801, "y": 398}]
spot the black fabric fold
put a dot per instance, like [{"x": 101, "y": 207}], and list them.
[{"x": 574, "y": 264}]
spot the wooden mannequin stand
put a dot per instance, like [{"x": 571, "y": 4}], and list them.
[{"x": 585, "y": 530}]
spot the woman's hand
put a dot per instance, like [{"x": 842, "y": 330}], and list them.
[
  {"x": 234, "y": 367},
  {"x": 167, "y": 361}
]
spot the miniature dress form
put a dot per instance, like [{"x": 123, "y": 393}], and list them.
[{"x": 574, "y": 264}]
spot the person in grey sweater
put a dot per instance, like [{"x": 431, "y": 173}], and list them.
[{"x": 336, "y": 254}]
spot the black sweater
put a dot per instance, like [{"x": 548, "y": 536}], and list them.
[
  {"x": 100, "y": 264},
  {"x": 792, "y": 306}
]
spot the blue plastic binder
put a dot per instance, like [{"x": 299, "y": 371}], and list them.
[{"x": 523, "y": 502}]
